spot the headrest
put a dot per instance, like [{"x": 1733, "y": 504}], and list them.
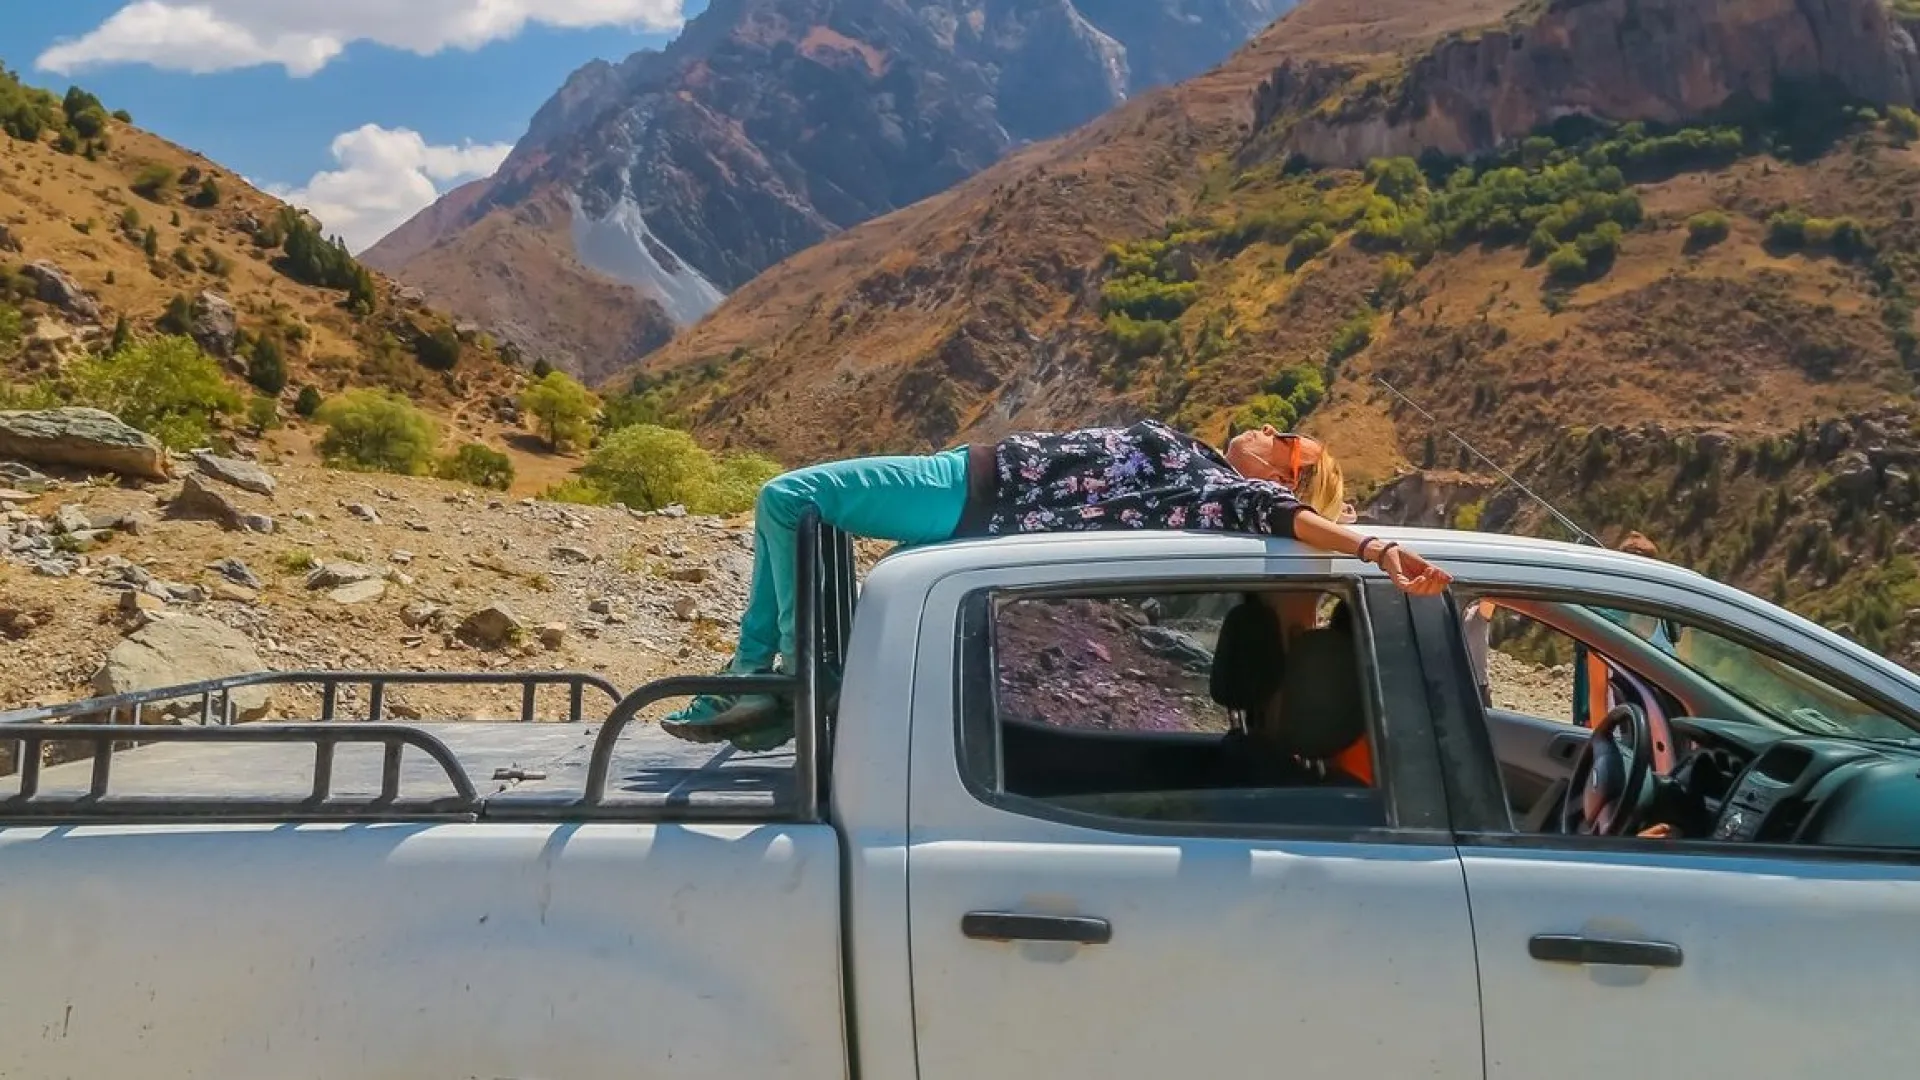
[
  {"x": 1324, "y": 708},
  {"x": 1248, "y": 658}
]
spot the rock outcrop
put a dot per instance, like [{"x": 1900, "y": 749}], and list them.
[
  {"x": 53, "y": 286},
  {"x": 183, "y": 649},
  {"x": 81, "y": 438},
  {"x": 1620, "y": 60}
]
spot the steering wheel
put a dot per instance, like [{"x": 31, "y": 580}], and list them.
[{"x": 1608, "y": 791}]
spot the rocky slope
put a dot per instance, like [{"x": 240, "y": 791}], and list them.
[
  {"x": 134, "y": 228},
  {"x": 644, "y": 192},
  {"x": 1745, "y": 273}
]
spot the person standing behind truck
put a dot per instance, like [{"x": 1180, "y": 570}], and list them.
[{"x": 1142, "y": 476}]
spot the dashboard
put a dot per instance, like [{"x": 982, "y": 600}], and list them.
[{"x": 1756, "y": 785}]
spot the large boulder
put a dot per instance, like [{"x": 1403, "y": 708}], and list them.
[
  {"x": 82, "y": 439},
  {"x": 184, "y": 649},
  {"x": 53, "y": 286},
  {"x": 215, "y": 324}
]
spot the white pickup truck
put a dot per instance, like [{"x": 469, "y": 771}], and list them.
[{"x": 1075, "y": 812}]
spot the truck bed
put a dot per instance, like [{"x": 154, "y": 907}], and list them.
[{"x": 510, "y": 764}]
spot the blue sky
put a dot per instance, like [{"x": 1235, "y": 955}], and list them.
[{"x": 361, "y": 110}]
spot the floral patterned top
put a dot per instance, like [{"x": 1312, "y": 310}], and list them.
[{"x": 1146, "y": 476}]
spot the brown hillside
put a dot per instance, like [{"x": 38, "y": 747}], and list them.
[
  {"x": 1185, "y": 257},
  {"x": 79, "y": 213},
  {"x": 84, "y": 217}
]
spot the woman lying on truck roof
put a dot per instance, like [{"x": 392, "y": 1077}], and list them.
[{"x": 1144, "y": 476}]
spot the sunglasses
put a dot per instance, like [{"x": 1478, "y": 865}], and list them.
[{"x": 1302, "y": 453}]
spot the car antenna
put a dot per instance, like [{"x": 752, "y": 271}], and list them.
[{"x": 1572, "y": 526}]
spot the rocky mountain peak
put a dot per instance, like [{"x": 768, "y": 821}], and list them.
[{"x": 676, "y": 176}]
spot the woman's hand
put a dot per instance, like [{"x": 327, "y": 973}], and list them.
[
  {"x": 1413, "y": 574},
  {"x": 1348, "y": 515}
]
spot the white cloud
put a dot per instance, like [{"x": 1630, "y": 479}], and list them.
[
  {"x": 303, "y": 36},
  {"x": 386, "y": 176}
]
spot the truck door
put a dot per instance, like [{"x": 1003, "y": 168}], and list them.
[
  {"x": 1124, "y": 880},
  {"x": 1771, "y": 934}
]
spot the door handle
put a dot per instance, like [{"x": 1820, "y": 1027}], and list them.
[
  {"x": 1013, "y": 926},
  {"x": 1576, "y": 949}
]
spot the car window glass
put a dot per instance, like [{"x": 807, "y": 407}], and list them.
[
  {"x": 1177, "y": 707},
  {"x": 1788, "y": 693}
]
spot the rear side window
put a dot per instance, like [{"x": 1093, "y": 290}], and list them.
[{"x": 1180, "y": 708}]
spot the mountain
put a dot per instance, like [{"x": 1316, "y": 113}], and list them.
[
  {"x": 1658, "y": 258},
  {"x": 646, "y": 191},
  {"x": 104, "y": 225}
]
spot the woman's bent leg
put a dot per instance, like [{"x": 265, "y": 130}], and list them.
[{"x": 905, "y": 499}]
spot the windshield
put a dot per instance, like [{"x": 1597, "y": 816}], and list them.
[{"x": 1785, "y": 693}]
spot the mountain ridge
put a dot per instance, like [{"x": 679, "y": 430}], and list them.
[{"x": 770, "y": 125}]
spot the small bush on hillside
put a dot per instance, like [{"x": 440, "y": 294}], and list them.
[
  {"x": 1312, "y": 240},
  {"x": 562, "y": 409},
  {"x": 207, "y": 196},
  {"x": 267, "y": 366},
  {"x": 1566, "y": 265},
  {"x": 263, "y": 413},
  {"x": 439, "y": 350},
  {"x": 1707, "y": 229},
  {"x": 648, "y": 467},
  {"x": 164, "y": 386},
  {"x": 1354, "y": 335},
  {"x": 1266, "y": 409},
  {"x": 307, "y": 402},
  {"x": 575, "y": 489},
  {"x": 376, "y": 430},
  {"x": 1133, "y": 338},
  {"x": 153, "y": 182},
  {"x": 481, "y": 466},
  {"x": 1903, "y": 122}
]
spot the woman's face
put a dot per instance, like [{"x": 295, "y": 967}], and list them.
[{"x": 1259, "y": 454}]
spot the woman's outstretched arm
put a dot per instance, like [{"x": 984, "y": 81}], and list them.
[{"x": 1406, "y": 568}]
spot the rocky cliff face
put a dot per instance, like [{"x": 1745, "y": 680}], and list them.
[
  {"x": 1653, "y": 60},
  {"x": 772, "y": 124}
]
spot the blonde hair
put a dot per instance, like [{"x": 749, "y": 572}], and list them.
[{"x": 1322, "y": 486}]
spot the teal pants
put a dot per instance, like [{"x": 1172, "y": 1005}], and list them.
[{"x": 910, "y": 500}]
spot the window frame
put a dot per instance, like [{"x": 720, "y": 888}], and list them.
[
  {"x": 1470, "y": 788},
  {"x": 1408, "y": 779}
]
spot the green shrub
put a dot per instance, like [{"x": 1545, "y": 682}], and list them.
[
  {"x": 164, "y": 386},
  {"x": 736, "y": 484},
  {"x": 1138, "y": 296},
  {"x": 1266, "y": 409},
  {"x": 648, "y": 467},
  {"x": 153, "y": 182},
  {"x": 1133, "y": 338},
  {"x": 263, "y": 413},
  {"x": 307, "y": 402},
  {"x": 1353, "y": 336},
  {"x": 207, "y": 196},
  {"x": 481, "y": 466},
  {"x": 267, "y": 366},
  {"x": 12, "y": 329},
  {"x": 1708, "y": 228},
  {"x": 574, "y": 489},
  {"x": 1395, "y": 273},
  {"x": 1903, "y": 122},
  {"x": 376, "y": 430},
  {"x": 1313, "y": 240},
  {"x": 563, "y": 410},
  {"x": 313, "y": 259},
  {"x": 439, "y": 350},
  {"x": 1566, "y": 265}
]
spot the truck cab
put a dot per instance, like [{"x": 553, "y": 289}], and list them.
[{"x": 1106, "y": 805}]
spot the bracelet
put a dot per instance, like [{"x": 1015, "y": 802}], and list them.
[
  {"x": 1388, "y": 546},
  {"x": 1361, "y": 552}
]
